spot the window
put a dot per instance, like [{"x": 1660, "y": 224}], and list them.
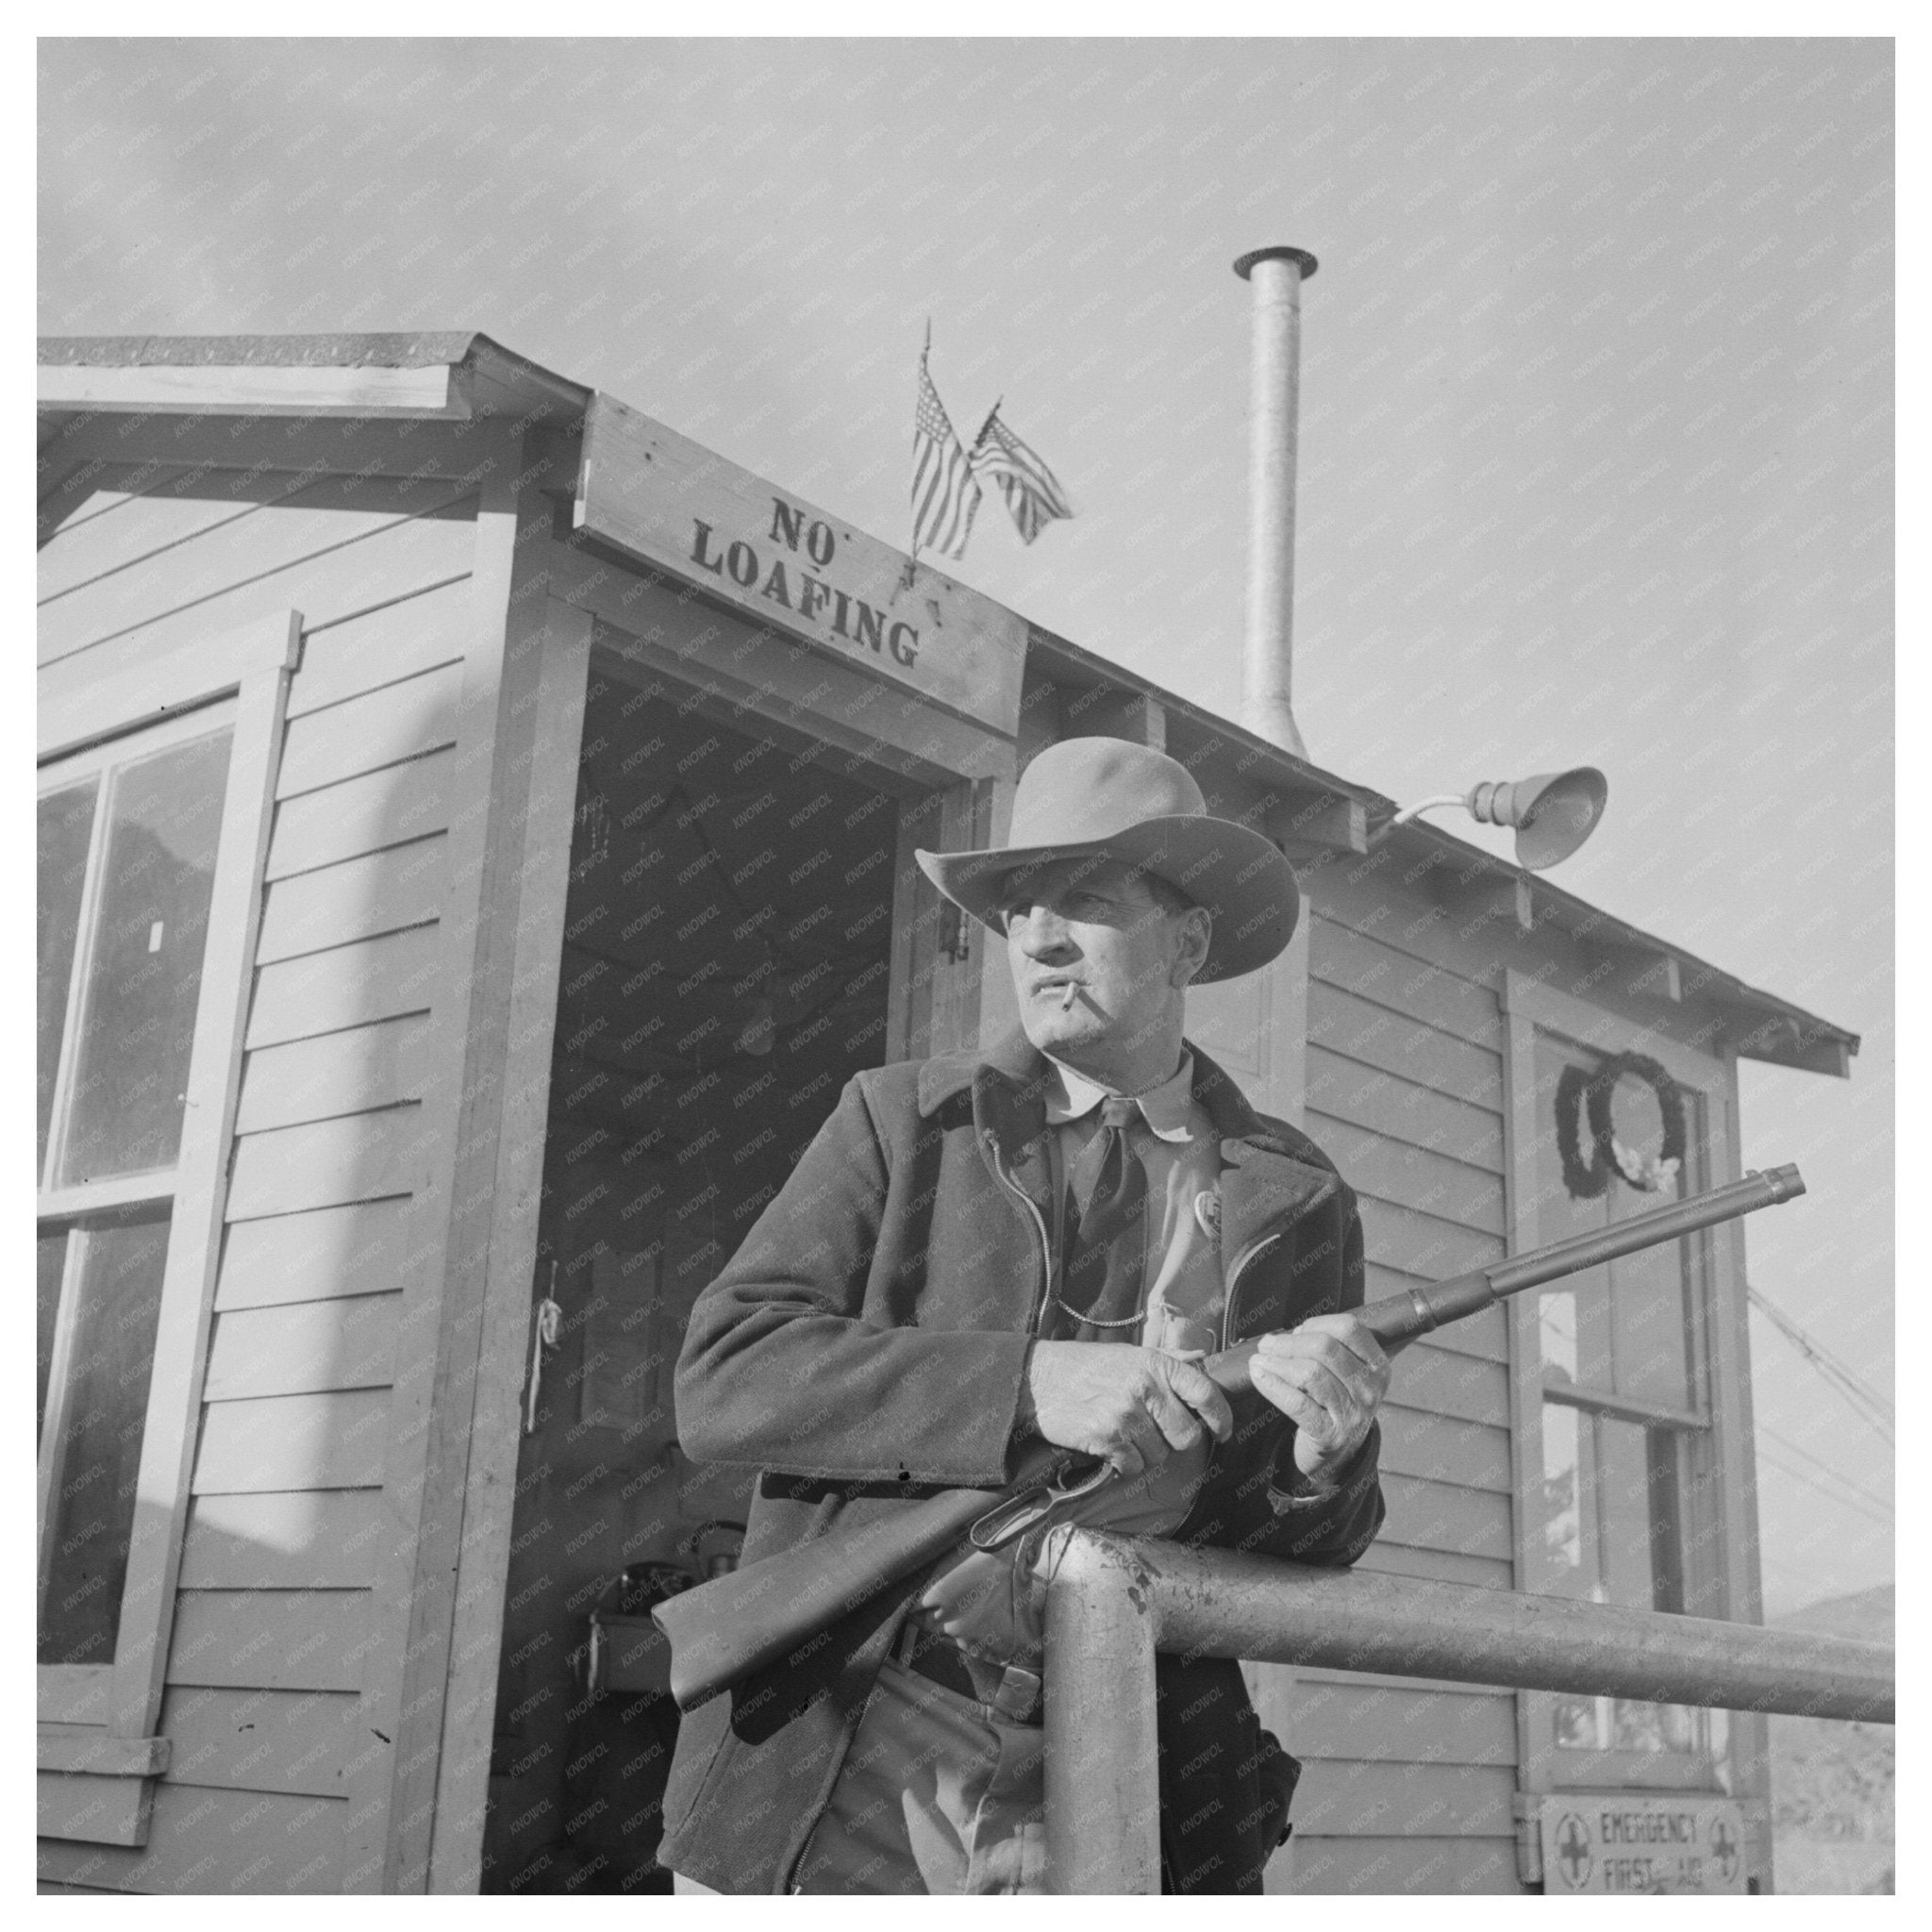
[
  {"x": 129, "y": 835},
  {"x": 1627, "y": 1498},
  {"x": 154, "y": 784},
  {"x": 1622, "y": 1392}
]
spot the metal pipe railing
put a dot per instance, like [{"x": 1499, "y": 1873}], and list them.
[{"x": 1114, "y": 1601}]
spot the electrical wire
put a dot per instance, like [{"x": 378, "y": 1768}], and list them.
[
  {"x": 1798, "y": 1474},
  {"x": 1813, "y": 1347},
  {"x": 1864, "y": 1401},
  {"x": 1848, "y": 1483}
]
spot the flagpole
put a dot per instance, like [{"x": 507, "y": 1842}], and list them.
[{"x": 912, "y": 556}]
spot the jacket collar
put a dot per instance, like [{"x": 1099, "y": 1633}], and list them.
[{"x": 1265, "y": 1178}]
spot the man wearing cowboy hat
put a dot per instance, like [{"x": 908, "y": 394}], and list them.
[{"x": 926, "y": 1297}]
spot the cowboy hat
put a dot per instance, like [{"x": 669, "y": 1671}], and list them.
[{"x": 1109, "y": 798}]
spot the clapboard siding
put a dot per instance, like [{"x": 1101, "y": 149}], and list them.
[
  {"x": 361, "y": 1156},
  {"x": 1409, "y": 1176},
  {"x": 363, "y": 733},
  {"x": 350, "y": 1072},
  {"x": 261, "y": 1741},
  {"x": 210, "y": 1841},
  {"x": 367, "y": 813},
  {"x": 284, "y": 1540},
  {"x": 304, "y": 1349},
  {"x": 359, "y": 898},
  {"x": 1356, "y": 1721},
  {"x": 332, "y": 1441},
  {"x": 1358, "y": 1029},
  {"x": 361, "y": 1248},
  {"x": 1388, "y": 1558},
  {"x": 327, "y": 586},
  {"x": 1356, "y": 1797},
  {"x": 1444, "y": 1449},
  {"x": 1352, "y": 1867},
  {"x": 1386, "y": 1104},
  {"x": 1421, "y": 989},
  {"x": 270, "y": 1639},
  {"x": 1447, "y": 1516},
  {"x": 1425, "y": 1245},
  {"x": 115, "y": 530},
  {"x": 1472, "y": 1387},
  {"x": 430, "y": 627},
  {"x": 344, "y": 986},
  {"x": 370, "y": 540}
]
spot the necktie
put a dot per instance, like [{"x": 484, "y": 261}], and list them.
[{"x": 1100, "y": 1287}]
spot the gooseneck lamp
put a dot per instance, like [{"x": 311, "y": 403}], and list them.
[{"x": 1553, "y": 812}]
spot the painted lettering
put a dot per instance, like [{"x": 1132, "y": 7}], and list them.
[
  {"x": 787, "y": 523},
  {"x": 872, "y": 626},
  {"x": 819, "y": 544},
  {"x": 741, "y": 561},
  {"x": 811, "y": 594},
  {"x": 906, "y": 652},
  {"x": 775, "y": 589},
  {"x": 841, "y": 604},
  {"x": 700, "y": 547}
]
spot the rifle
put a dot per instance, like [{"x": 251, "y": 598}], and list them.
[{"x": 759, "y": 1614}]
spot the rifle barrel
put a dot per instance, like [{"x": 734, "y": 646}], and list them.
[{"x": 1397, "y": 1318}]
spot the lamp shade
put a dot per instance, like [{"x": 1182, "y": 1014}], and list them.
[{"x": 1553, "y": 812}]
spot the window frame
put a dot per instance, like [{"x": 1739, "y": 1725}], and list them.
[
  {"x": 1717, "y": 1499},
  {"x": 115, "y": 1707}
]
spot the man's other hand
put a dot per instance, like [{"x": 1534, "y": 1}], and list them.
[
  {"x": 1328, "y": 1378},
  {"x": 1133, "y": 1405}
]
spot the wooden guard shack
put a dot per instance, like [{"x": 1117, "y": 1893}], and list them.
[{"x": 476, "y": 835}]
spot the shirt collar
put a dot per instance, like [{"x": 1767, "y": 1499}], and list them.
[{"x": 1071, "y": 1094}]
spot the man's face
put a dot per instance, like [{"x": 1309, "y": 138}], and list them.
[{"x": 1094, "y": 926}]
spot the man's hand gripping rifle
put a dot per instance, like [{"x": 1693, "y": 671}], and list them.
[{"x": 759, "y": 1614}]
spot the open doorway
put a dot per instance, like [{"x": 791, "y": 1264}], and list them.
[{"x": 727, "y": 963}]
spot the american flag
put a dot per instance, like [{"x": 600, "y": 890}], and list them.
[
  {"x": 944, "y": 494},
  {"x": 1034, "y": 494}
]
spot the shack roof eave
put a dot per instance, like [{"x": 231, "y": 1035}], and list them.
[
  {"x": 261, "y": 373},
  {"x": 1759, "y": 1024}
]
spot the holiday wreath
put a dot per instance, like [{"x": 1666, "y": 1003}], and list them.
[{"x": 1589, "y": 1160}]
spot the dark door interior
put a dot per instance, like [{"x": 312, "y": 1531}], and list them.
[{"x": 726, "y": 956}]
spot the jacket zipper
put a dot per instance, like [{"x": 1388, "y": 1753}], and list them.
[
  {"x": 1004, "y": 1177},
  {"x": 1235, "y": 1274}
]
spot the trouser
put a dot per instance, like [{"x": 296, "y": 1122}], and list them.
[{"x": 938, "y": 1793}]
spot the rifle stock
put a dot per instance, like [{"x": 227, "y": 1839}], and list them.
[{"x": 763, "y": 1612}]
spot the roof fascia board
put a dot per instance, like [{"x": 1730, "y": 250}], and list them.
[
  {"x": 253, "y": 389},
  {"x": 1763, "y": 1026}
]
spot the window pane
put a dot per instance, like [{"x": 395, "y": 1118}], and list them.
[
  {"x": 97, "y": 1461},
  {"x": 53, "y": 1264},
  {"x": 1627, "y": 1326},
  {"x": 1570, "y": 1558},
  {"x": 1612, "y": 1534},
  {"x": 137, "y": 1023},
  {"x": 66, "y": 825},
  {"x": 1623, "y": 1491}
]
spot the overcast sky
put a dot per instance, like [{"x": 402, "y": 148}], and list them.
[{"x": 1596, "y": 450}]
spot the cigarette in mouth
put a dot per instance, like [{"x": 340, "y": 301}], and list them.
[{"x": 1073, "y": 994}]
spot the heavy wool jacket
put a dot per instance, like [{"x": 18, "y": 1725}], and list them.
[{"x": 867, "y": 1345}]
